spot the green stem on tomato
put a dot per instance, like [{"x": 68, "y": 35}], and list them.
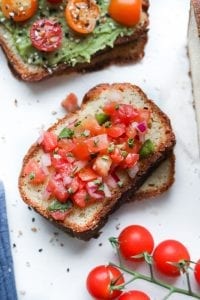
[{"x": 171, "y": 288}]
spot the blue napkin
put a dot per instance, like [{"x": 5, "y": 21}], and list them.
[{"x": 7, "y": 280}]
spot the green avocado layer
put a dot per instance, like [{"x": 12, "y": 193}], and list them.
[{"x": 74, "y": 49}]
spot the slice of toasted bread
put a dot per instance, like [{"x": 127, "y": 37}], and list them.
[
  {"x": 85, "y": 223},
  {"x": 159, "y": 181},
  {"x": 128, "y": 48}
]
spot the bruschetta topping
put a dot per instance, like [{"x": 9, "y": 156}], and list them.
[{"x": 84, "y": 160}]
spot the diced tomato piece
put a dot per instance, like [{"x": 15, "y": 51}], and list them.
[
  {"x": 74, "y": 185},
  {"x": 91, "y": 124},
  {"x": 116, "y": 130},
  {"x": 57, "y": 189},
  {"x": 80, "y": 150},
  {"x": 35, "y": 172},
  {"x": 70, "y": 103},
  {"x": 87, "y": 174},
  {"x": 130, "y": 160},
  {"x": 80, "y": 198},
  {"x": 102, "y": 165},
  {"x": 59, "y": 215},
  {"x": 131, "y": 132},
  {"x": 144, "y": 115},
  {"x": 135, "y": 149},
  {"x": 66, "y": 144},
  {"x": 127, "y": 113},
  {"x": 50, "y": 141},
  {"x": 110, "y": 108},
  {"x": 59, "y": 161},
  {"x": 116, "y": 156},
  {"x": 97, "y": 143}
]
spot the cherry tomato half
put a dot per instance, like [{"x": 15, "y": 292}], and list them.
[
  {"x": 134, "y": 240},
  {"x": 197, "y": 271},
  {"x": 46, "y": 35},
  {"x": 81, "y": 15},
  {"x": 18, "y": 10},
  {"x": 134, "y": 295},
  {"x": 100, "y": 280},
  {"x": 167, "y": 254},
  {"x": 126, "y": 12}
]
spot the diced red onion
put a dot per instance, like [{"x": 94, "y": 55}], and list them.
[
  {"x": 142, "y": 127},
  {"x": 133, "y": 171},
  {"x": 92, "y": 190},
  {"x": 46, "y": 194},
  {"x": 111, "y": 182},
  {"x": 115, "y": 176},
  {"x": 67, "y": 180},
  {"x": 41, "y": 137},
  {"x": 78, "y": 165},
  {"x": 46, "y": 160},
  {"x": 71, "y": 159},
  {"x": 107, "y": 191}
]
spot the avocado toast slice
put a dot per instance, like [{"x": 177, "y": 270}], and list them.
[{"x": 109, "y": 43}]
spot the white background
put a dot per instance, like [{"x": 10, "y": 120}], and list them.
[{"x": 25, "y": 108}]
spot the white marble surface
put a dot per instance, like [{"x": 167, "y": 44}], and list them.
[{"x": 59, "y": 271}]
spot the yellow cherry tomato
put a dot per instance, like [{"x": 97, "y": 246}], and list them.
[
  {"x": 125, "y": 12},
  {"x": 81, "y": 15},
  {"x": 19, "y": 10}
]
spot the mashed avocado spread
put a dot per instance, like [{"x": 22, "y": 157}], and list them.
[{"x": 74, "y": 49}]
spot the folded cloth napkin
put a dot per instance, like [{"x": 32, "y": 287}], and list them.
[{"x": 7, "y": 280}]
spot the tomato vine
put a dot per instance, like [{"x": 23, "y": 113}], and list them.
[{"x": 170, "y": 257}]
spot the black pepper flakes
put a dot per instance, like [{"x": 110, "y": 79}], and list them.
[
  {"x": 40, "y": 250},
  {"x": 14, "y": 245}
]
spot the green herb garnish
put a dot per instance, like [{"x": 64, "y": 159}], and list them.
[
  {"x": 77, "y": 124},
  {"x": 56, "y": 205},
  {"x": 130, "y": 143},
  {"x": 102, "y": 118},
  {"x": 111, "y": 148},
  {"x": 66, "y": 133},
  {"x": 124, "y": 153},
  {"x": 147, "y": 149},
  {"x": 31, "y": 176}
]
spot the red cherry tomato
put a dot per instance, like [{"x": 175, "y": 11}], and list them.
[
  {"x": 126, "y": 12},
  {"x": 100, "y": 281},
  {"x": 167, "y": 253},
  {"x": 135, "y": 240},
  {"x": 134, "y": 295},
  {"x": 46, "y": 35},
  {"x": 197, "y": 271}
]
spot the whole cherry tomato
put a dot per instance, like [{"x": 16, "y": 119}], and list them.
[
  {"x": 46, "y": 35},
  {"x": 134, "y": 295},
  {"x": 169, "y": 253},
  {"x": 197, "y": 271},
  {"x": 126, "y": 12},
  {"x": 100, "y": 281},
  {"x": 18, "y": 10},
  {"x": 134, "y": 240}
]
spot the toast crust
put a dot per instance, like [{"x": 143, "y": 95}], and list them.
[
  {"x": 119, "y": 196},
  {"x": 196, "y": 7},
  {"x": 126, "y": 49}
]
